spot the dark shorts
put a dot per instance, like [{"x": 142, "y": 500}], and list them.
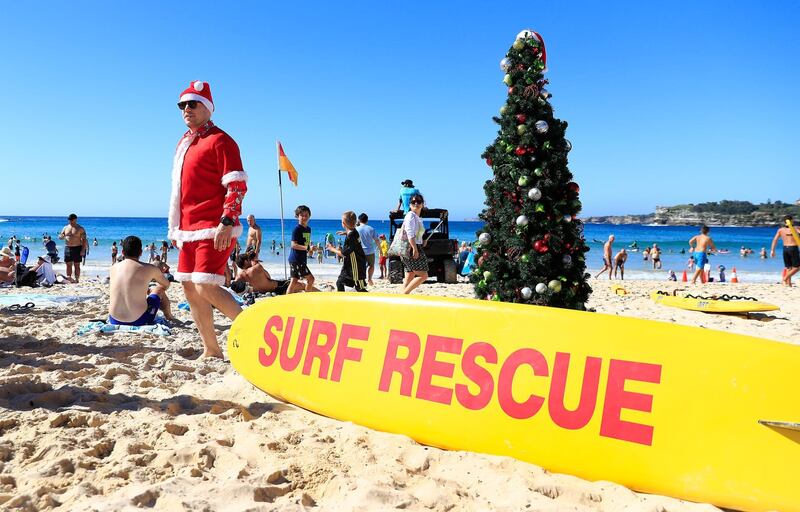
[
  {"x": 370, "y": 259},
  {"x": 298, "y": 270},
  {"x": 282, "y": 286},
  {"x": 412, "y": 265},
  {"x": 791, "y": 256},
  {"x": 350, "y": 283},
  {"x": 73, "y": 254},
  {"x": 149, "y": 315}
]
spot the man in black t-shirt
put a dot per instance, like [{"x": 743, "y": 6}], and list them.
[
  {"x": 354, "y": 264},
  {"x": 298, "y": 254}
]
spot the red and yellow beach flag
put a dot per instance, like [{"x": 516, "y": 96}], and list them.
[{"x": 284, "y": 164}]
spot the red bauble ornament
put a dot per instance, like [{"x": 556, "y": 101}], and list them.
[
  {"x": 519, "y": 151},
  {"x": 573, "y": 187},
  {"x": 540, "y": 247},
  {"x": 510, "y": 91},
  {"x": 489, "y": 162},
  {"x": 521, "y": 118},
  {"x": 568, "y": 246},
  {"x": 530, "y": 149}
]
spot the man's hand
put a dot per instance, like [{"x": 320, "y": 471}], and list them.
[
  {"x": 772, "y": 253},
  {"x": 222, "y": 238}
]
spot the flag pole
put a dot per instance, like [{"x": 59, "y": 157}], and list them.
[{"x": 280, "y": 188}]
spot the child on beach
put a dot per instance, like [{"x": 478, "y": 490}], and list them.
[
  {"x": 384, "y": 248},
  {"x": 354, "y": 268},
  {"x": 298, "y": 252},
  {"x": 672, "y": 276},
  {"x": 699, "y": 244}
]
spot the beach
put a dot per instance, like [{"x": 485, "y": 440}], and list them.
[{"x": 124, "y": 421}]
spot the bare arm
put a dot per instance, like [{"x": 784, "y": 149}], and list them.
[
  {"x": 159, "y": 277},
  {"x": 774, "y": 243},
  {"x": 298, "y": 247},
  {"x": 711, "y": 244},
  {"x": 258, "y": 241},
  {"x": 692, "y": 241}
]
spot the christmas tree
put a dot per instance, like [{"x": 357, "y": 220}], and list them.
[{"x": 531, "y": 249}]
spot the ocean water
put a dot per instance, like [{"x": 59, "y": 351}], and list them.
[{"x": 671, "y": 239}]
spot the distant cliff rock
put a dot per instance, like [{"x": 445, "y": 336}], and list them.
[{"x": 723, "y": 213}]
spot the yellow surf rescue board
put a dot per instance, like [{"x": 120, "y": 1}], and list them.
[
  {"x": 793, "y": 231},
  {"x": 713, "y": 305},
  {"x": 692, "y": 413}
]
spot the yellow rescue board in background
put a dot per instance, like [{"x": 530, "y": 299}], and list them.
[
  {"x": 657, "y": 407},
  {"x": 712, "y": 305}
]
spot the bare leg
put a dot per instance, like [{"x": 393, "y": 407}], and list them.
[
  {"x": 165, "y": 305},
  {"x": 201, "y": 297},
  {"x": 407, "y": 279},
  {"x": 696, "y": 275},
  {"x": 419, "y": 278},
  {"x": 310, "y": 283},
  {"x": 789, "y": 273},
  {"x": 77, "y": 271},
  {"x": 69, "y": 269},
  {"x": 294, "y": 286},
  {"x": 370, "y": 271}
]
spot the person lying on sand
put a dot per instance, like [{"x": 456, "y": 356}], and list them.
[
  {"x": 133, "y": 300},
  {"x": 262, "y": 282}
]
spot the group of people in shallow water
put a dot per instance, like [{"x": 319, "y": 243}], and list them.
[{"x": 700, "y": 246}]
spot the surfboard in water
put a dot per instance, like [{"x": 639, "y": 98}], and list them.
[
  {"x": 725, "y": 304},
  {"x": 692, "y": 413}
]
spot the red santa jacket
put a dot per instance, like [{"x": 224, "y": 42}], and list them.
[{"x": 207, "y": 182}]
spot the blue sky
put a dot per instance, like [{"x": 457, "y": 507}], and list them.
[{"x": 670, "y": 103}]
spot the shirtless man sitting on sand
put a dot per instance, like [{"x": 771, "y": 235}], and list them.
[
  {"x": 262, "y": 282},
  {"x": 133, "y": 300},
  {"x": 699, "y": 244}
]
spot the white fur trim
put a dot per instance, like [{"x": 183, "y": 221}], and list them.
[
  {"x": 233, "y": 176},
  {"x": 202, "y": 99},
  {"x": 182, "y": 276},
  {"x": 174, "y": 217},
  {"x": 181, "y": 235},
  {"x": 204, "y": 278}
]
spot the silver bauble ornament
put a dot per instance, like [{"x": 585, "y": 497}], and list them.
[
  {"x": 554, "y": 285},
  {"x": 526, "y": 293},
  {"x": 541, "y": 288},
  {"x": 534, "y": 194},
  {"x": 541, "y": 126},
  {"x": 569, "y": 145},
  {"x": 567, "y": 260},
  {"x": 485, "y": 238},
  {"x": 567, "y": 218},
  {"x": 505, "y": 64},
  {"x": 525, "y": 34},
  {"x": 544, "y": 93},
  {"x": 522, "y": 221}
]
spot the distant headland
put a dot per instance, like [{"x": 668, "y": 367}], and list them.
[{"x": 722, "y": 213}]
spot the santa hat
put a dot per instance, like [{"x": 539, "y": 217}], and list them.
[
  {"x": 530, "y": 34},
  {"x": 199, "y": 91}
]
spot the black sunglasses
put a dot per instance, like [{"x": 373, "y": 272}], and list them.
[
  {"x": 417, "y": 202},
  {"x": 192, "y": 104}
]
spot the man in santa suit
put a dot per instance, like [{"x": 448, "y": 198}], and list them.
[{"x": 208, "y": 185}]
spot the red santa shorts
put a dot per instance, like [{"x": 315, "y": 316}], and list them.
[{"x": 199, "y": 262}]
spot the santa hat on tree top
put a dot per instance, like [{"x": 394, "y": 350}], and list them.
[{"x": 199, "y": 91}]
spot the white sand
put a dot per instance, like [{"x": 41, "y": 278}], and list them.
[{"x": 115, "y": 422}]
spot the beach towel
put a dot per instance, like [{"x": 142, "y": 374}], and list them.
[
  {"x": 42, "y": 300},
  {"x": 102, "y": 327},
  {"x": 468, "y": 265},
  {"x": 184, "y": 306}
]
